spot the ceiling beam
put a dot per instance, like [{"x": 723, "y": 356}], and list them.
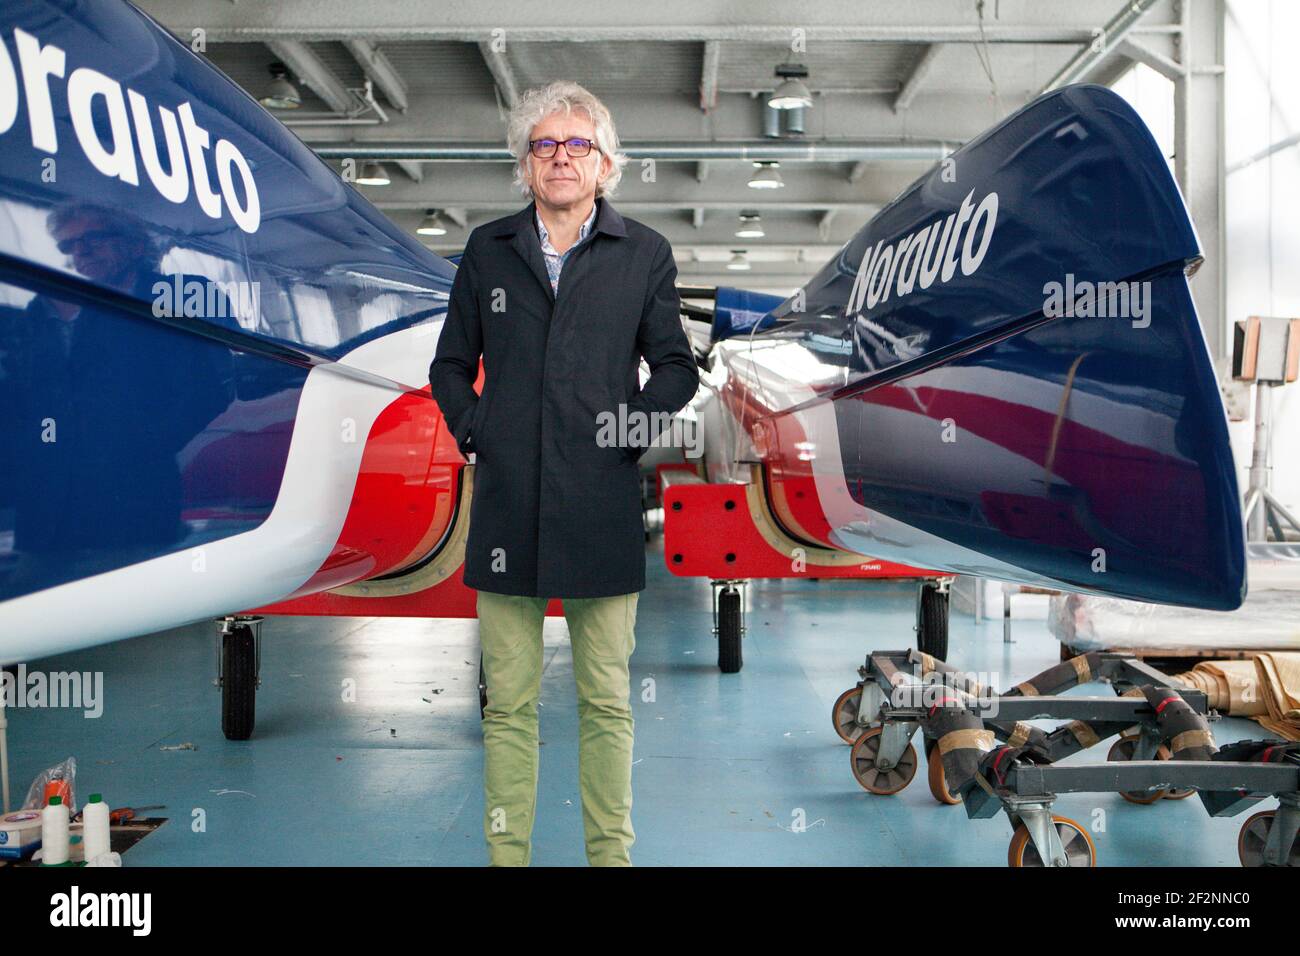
[
  {"x": 824, "y": 224},
  {"x": 693, "y": 21},
  {"x": 697, "y": 217},
  {"x": 914, "y": 80},
  {"x": 502, "y": 72},
  {"x": 414, "y": 171},
  {"x": 380, "y": 71},
  {"x": 1141, "y": 53},
  {"x": 709, "y": 75},
  {"x": 1102, "y": 44},
  {"x": 457, "y": 214},
  {"x": 304, "y": 64}
]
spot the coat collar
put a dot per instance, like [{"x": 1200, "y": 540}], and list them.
[
  {"x": 608, "y": 221},
  {"x": 522, "y": 231}
]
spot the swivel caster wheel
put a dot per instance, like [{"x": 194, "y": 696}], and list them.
[
  {"x": 938, "y": 780},
  {"x": 1123, "y": 749},
  {"x": 844, "y": 715},
  {"x": 1078, "y": 846},
  {"x": 875, "y": 779},
  {"x": 1254, "y": 836}
]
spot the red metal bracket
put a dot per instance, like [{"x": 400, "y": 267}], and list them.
[{"x": 710, "y": 531}]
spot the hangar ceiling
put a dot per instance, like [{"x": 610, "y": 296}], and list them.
[{"x": 893, "y": 85}]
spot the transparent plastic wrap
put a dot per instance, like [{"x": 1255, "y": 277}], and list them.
[
  {"x": 1269, "y": 620},
  {"x": 59, "y": 781}
]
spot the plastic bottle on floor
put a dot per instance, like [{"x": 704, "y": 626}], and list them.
[
  {"x": 54, "y": 833},
  {"x": 95, "y": 832}
]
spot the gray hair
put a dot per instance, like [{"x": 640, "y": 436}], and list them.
[{"x": 563, "y": 96}]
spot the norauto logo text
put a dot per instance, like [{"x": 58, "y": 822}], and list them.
[
  {"x": 131, "y": 141},
  {"x": 928, "y": 255}
]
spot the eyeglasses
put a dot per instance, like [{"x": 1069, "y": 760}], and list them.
[
  {"x": 92, "y": 237},
  {"x": 575, "y": 148}
]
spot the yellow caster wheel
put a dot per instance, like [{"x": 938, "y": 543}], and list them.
[
  {"x": 844, "y": 715},
  {"x": 871, "y": 777},
  {"x": 939, "y": 780},
  {"x": 1254, "y": 835},
  {"x": 1079, "y": 848},
  {"x": 1123, "y": 749}
]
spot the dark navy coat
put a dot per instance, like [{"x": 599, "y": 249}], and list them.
[{"x": 556, "y": 513}]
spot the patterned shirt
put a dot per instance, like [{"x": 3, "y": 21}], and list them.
[{"x": 555, "y": 260}]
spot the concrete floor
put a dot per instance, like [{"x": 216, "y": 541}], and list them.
[{"x": 725, "y": 764}]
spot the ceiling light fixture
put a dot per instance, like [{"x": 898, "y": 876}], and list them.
[
  {"x": 791, "y": 93},
  {"x": 431, "y": 225},
  {"x": 766, "y": 176},
  {"x": 738, "y": 262},
  {"x": 281, "y": 94},
  {"x": 751, "y": 226},
  {"x": 373, "y": 174}
]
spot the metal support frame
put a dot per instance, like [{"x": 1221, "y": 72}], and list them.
[
  {"x": 1199, "y": 156},
  {"x": 870, "y": 702},
  {"x": 224, "y": 626},
  {"x": 720, "y": 585},
  {"x": 1006, "y": 616},
  {"x": 1262, "y": 509},
  {"x": 1037, "y": 818},
  {"x": 895, "y": 736}
]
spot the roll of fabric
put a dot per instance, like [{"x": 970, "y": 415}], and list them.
[
  {"x": 1279, "y": 675},
  {"x": 1231, "y": 687},
  {"x": 1264, "y": 687}
]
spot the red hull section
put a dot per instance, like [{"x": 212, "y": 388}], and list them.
[{"x": 718, "y": 531}]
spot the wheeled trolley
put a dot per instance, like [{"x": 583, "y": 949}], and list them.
[{"x": 983, "y": 753}]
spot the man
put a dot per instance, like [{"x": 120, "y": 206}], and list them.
[{"x": 561, "y": 300}]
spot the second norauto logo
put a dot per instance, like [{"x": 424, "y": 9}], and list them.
[
  {"x": 927, "y": 255},
  {"x": 89, "y": 91}
]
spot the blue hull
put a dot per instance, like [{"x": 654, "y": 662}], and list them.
[{"x": 1029, "y": 395}]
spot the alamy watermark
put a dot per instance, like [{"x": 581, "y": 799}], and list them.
[
  {"x": 198, "y": 297},
  {"x": 935, "y": 688},
  {"x": 54, "y": 689},
  {"x": 1099, "y": 300},
  {"x": 631, "y": 428}
]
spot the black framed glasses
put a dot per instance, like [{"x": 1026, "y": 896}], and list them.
[
  {"x": 576, "y": 148},
  {"x": 91, "y": 237}
]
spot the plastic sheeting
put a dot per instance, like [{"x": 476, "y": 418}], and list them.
[{"x": 1268, "y": 620}]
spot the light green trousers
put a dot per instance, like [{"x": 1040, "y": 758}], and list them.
[{"x": 601, "y": 631}]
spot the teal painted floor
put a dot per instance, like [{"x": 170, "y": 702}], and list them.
[{"x": 727, "y": 768}]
